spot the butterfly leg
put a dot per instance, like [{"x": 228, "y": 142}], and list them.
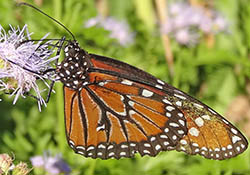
[{"x": 61, "y": 42}]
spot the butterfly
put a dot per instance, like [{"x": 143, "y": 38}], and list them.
[{"x": 114, "y": 110}]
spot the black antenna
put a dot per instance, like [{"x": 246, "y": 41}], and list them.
[{"x": 29, "y": 5}]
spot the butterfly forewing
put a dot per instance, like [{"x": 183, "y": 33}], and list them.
[{"x": 114, "y": 110}]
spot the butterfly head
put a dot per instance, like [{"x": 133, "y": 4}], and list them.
[{"x": 72, "y": 71}]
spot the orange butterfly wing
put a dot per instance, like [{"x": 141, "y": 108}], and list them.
[
  {"x": 115, "y": 118},
  {"x": 114, "y": 110}
]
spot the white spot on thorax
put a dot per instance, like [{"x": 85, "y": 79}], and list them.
[{"x": 67, "y": 72}]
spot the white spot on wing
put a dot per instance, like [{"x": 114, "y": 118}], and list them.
[
  {"x": 183, "y": 142},
  {"x": 235, "y": 139},
  {"x": 147, "y": 93},
  {"x": 166, "y": 130},
  {"x": 90, "y": 148},
  {"x": 168, "y": 114},
  {"x": 197, "y": 105},
  {"x": 166, "y": 101},
  {"x": 178, "y": 103},
  {"x": 170, "y": 108},
  {"x": 173, "y": 124},
  {"x": 194, "y": 132},
  {"x": 157, "y": 147},
  {"x": 122, "y": 153},
  {"x": 127, "y": 82},
  {"x": 199, "y": 122},
  {"x": 182, "y": 122},
  {"x": 206, "y": 117},
  {"x": 234, "y": 131},
  {"x": 180, "y": 96},
  {"x": 100, "y": 127},
  {"x": 161, "y": 82},
  {"x": 158, "y": 86}
]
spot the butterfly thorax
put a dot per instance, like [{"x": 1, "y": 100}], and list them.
[{"x": 72, "y": 71}]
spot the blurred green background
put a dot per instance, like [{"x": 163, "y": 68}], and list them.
[{"x": 216, "y": 70}]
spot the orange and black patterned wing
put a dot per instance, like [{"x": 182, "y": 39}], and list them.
[
  {"x": 115, "y": 117},
  {"x": 114, "y": 110}
]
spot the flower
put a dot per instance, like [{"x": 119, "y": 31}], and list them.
[
  {"x": 186, "y": 23},
  {"x": 21, "y": 169},
  {"x": 185, "y": 37},
  {"x": 5, "y": 163},
  {"x": 52, "y": 165},
  {"x": 118, "y": 29},
  {"x": 21, "y": 63}
]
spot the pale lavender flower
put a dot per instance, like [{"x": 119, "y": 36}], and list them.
[
  {"x": 206, "y": 25},
  {"x": 21, "y": 62},
  {"x": 220, "y": 24},
  {"x": 184, "y": 18},
  {"x": 185, "y": 37},
  {"x": 53, "y": 165},
  {"x": 118, "y": 29}
]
